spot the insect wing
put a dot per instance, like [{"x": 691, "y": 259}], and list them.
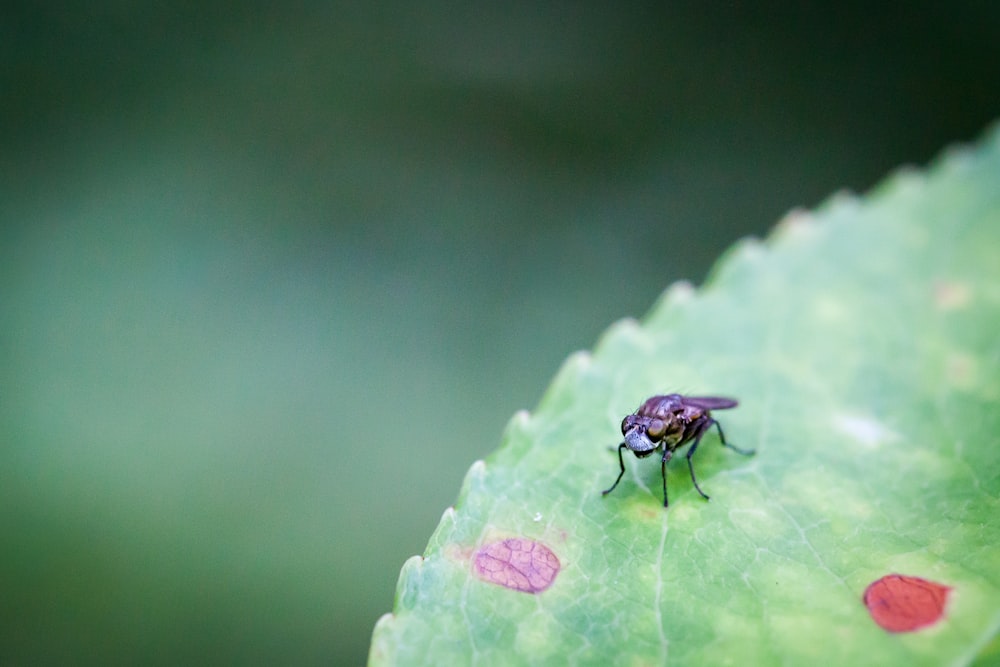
[{"x": 710, "y": 402}]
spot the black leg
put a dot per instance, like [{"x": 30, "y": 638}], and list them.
[
  {"x": 722, "y": 437},
  {"x": 697, "y": 439},
  {"x": 621, "y": 462},
  {"x": 663, "y": 472}
]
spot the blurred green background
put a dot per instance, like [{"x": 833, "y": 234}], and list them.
[{"x": 273, "y": 276}]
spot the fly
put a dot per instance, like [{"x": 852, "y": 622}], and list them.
[{"x": 671, "y": 422}]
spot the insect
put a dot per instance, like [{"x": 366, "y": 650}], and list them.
[{"x": 671, "y": 422}]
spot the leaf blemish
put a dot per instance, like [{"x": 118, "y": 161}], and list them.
[
  {"x": 517, "y": 563},
  {"x": 960, "y": 370},
  {"x": 903, "y": 604},
  {"x": 951, "y": 295},
  {"x": 865, "y": 430}
]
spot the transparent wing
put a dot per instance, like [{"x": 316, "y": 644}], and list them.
[{"x": 710, "y": 402}]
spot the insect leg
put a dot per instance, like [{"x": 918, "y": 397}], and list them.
[
  {"x": 722, "y": 437},
  {"x": 621, "y": 462},
  {"x": 704, "y": 426},
  {"x": 667, "y": 453}
]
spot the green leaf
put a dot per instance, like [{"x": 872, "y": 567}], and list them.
[{"x": 863, "y": 342}]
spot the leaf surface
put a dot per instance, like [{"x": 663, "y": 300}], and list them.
[{"x": 863, "y": 342}]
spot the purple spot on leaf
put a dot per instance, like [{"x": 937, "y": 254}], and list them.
[{"x": 519, "y": 564}]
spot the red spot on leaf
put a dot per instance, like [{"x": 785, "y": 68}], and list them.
[
  {"x": 903, "y": 604},
  {"x": 520, "y": 564}
]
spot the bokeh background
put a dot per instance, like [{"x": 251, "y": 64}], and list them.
[{"x": 273, "y": 275}]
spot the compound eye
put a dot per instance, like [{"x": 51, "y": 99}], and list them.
[{"x": 656, "y": 429}]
